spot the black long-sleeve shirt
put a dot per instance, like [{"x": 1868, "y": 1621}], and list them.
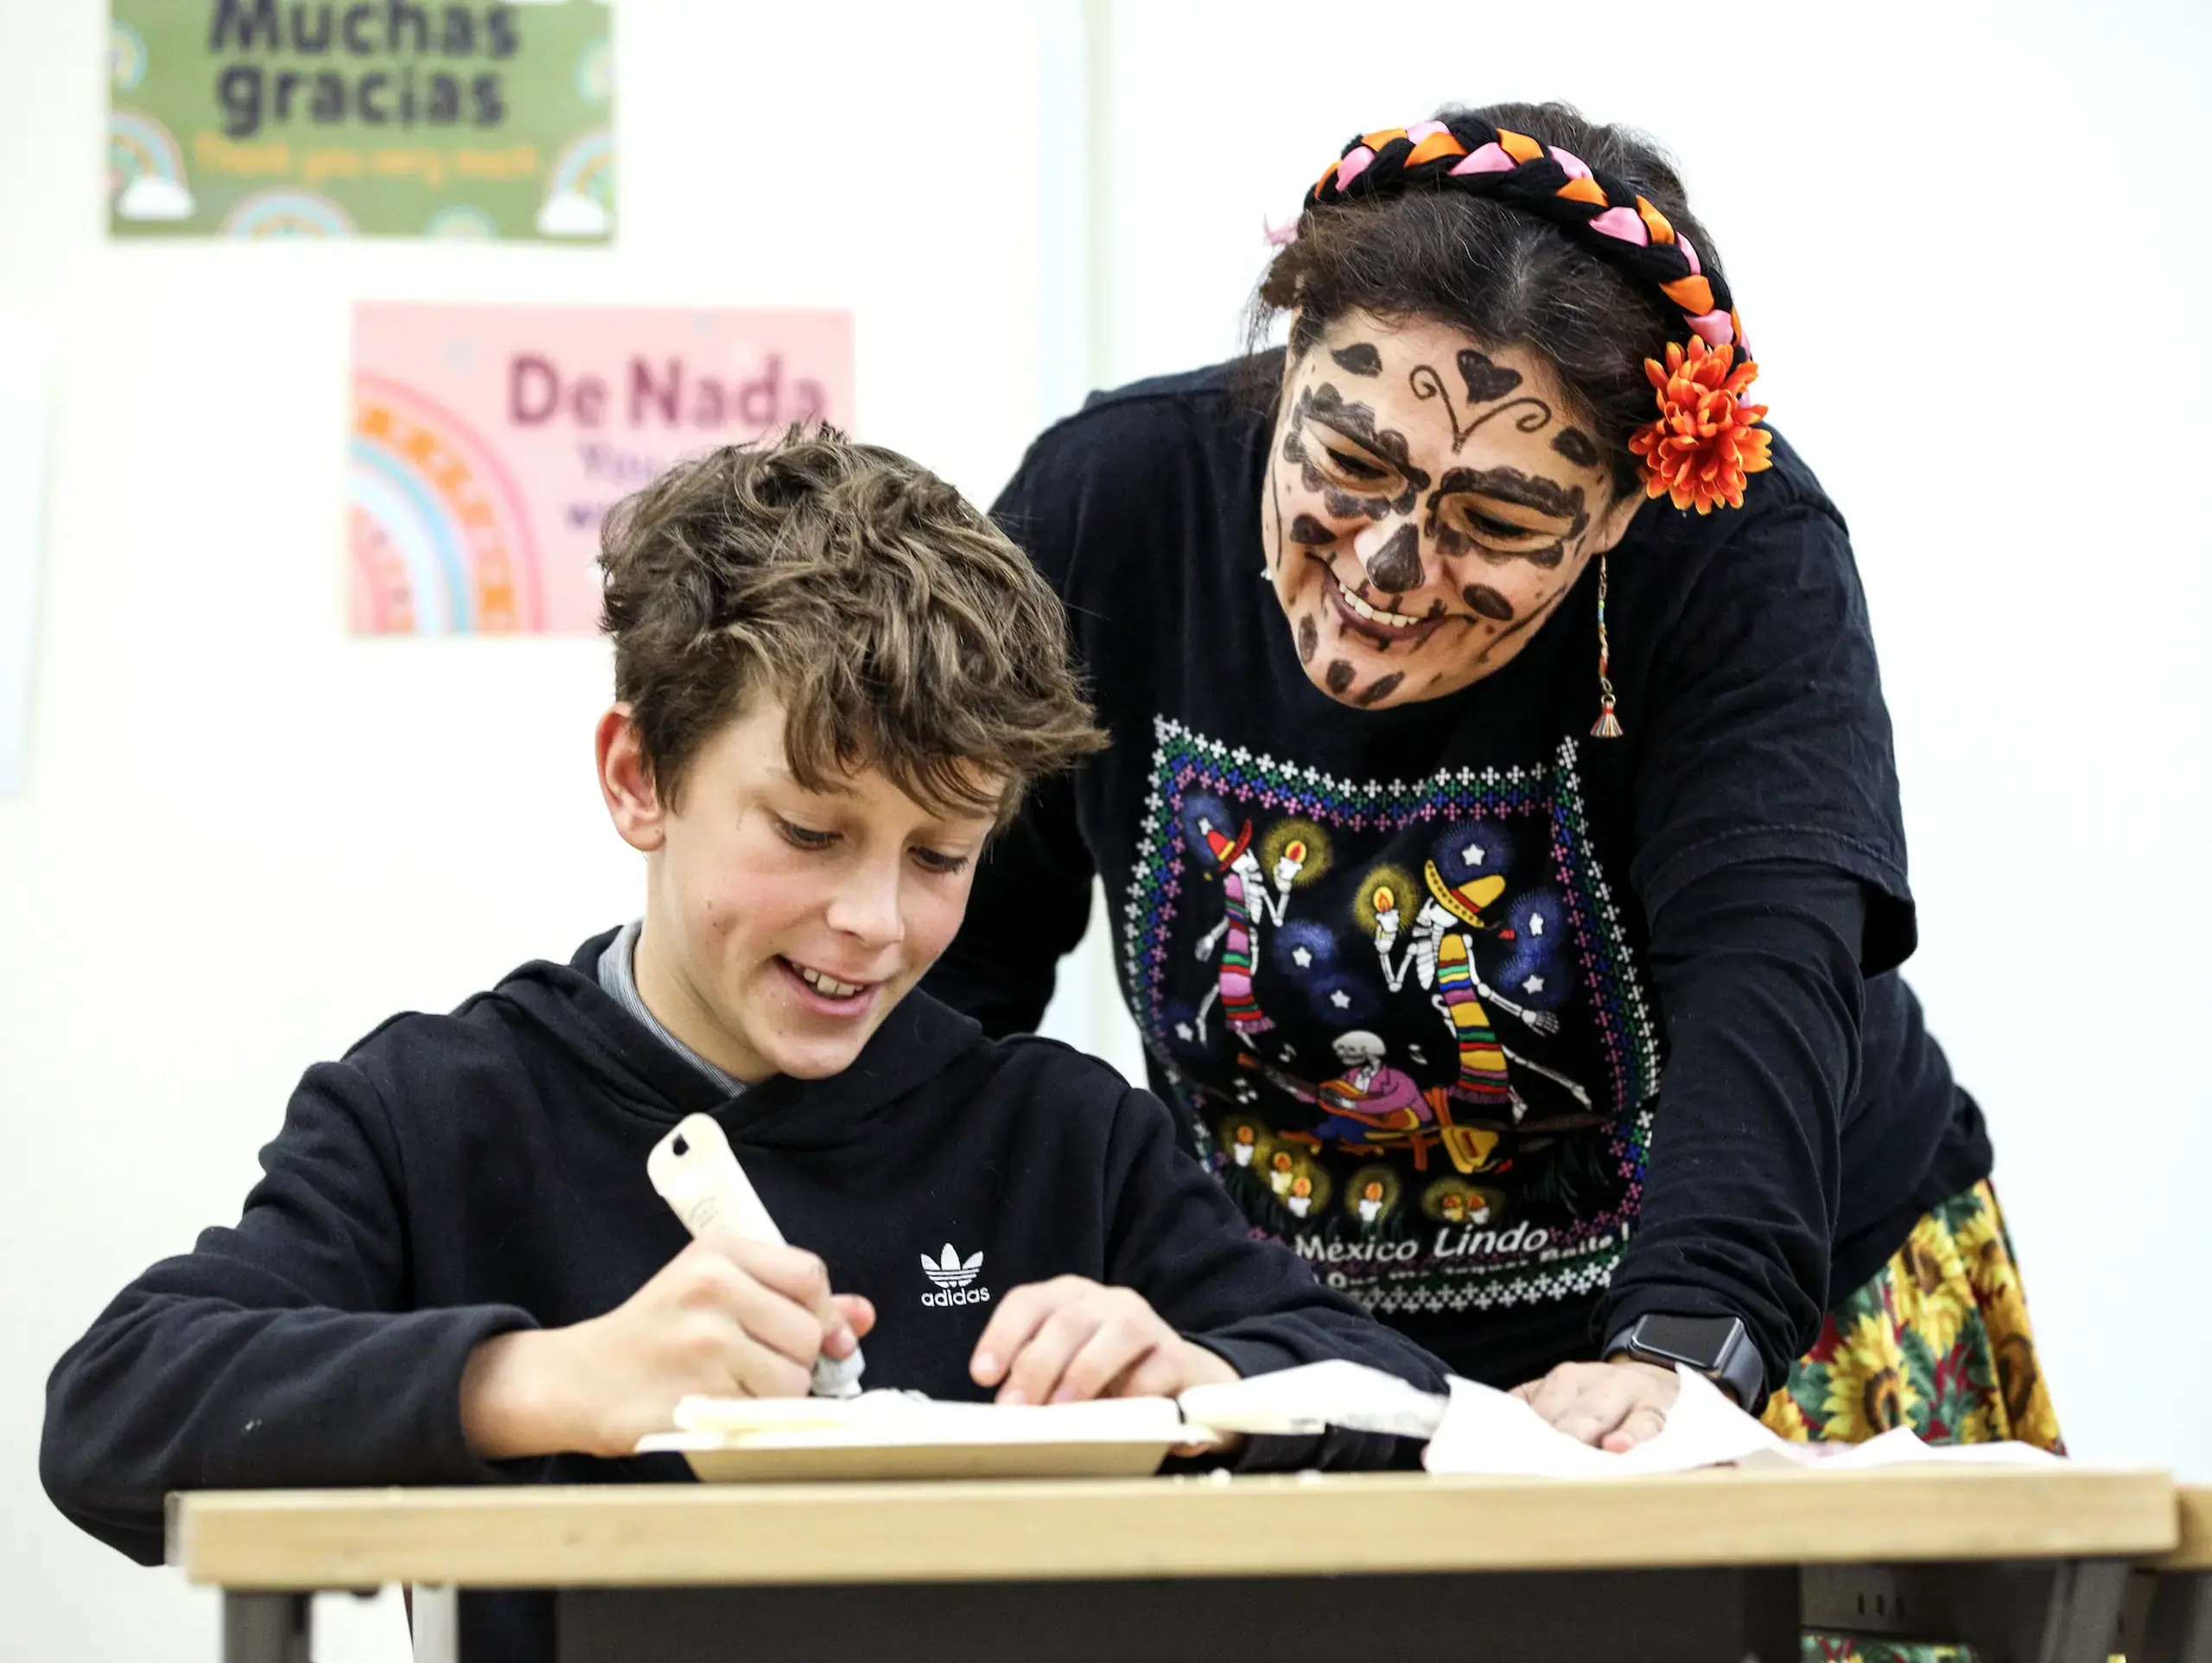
[
  {"x": 457, "y": 1177},
  {"x": 1333, "y": 924}
]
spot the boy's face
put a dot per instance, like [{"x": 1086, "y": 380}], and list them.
[{"x": 783, "y": 925}]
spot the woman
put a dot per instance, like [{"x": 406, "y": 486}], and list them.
[{"x": 1501, "y": 821}]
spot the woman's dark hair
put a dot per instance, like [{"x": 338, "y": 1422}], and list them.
[{"x": 1500, "y": 274}]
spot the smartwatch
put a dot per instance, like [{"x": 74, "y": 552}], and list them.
[{"x": 1718, "y": 1347}]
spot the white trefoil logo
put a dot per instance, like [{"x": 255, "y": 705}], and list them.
[{"x": 953, "y": 1276}]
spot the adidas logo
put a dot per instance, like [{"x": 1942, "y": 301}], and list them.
[{"x": 952, "y": 1274}]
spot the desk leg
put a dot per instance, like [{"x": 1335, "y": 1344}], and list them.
[
  {"x": 2177, "y": 1628},
  {"x": 268, "y": 1627},
  {"x": 434, "y": 1616},
  {"x": 2033, "y": 1611}
]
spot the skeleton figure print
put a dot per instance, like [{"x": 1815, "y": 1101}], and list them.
[
  {"x": 1247, "y": 905},
  {"x": 1442, "y": 953},
  {"x": 1244, "y": 907},
  {"x": 1402, "y": 1018}
]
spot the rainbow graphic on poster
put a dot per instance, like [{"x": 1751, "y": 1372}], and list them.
[
  {"x": 126, "y": 55},
  {"x": 440, "y": 541},
  {"x": 489, "y": 443},
  {"x": 461, "y": 223},
  {"x": 595, "y": 72},
  {"x": 580, "y": 188},
  {"x": 145, "y": 168},
  {"x": 288, "y": 213}
]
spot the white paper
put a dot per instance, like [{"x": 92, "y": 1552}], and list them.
[
  {"x": 1313, "y": 1397},
  {"x": 908, "y": 1419},
  {"x": 1291, "y": 1400},
  {"x": 1900, "y": 1448},
  {"x": 1489, "y": 1431},
  {"x": 1486, "y": 1430},
  {"x": 25, "y": 384},
  {"x": 737, "y": 1416}
]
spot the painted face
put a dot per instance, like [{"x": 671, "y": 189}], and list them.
[
  {"x": 1429, "y": 503},
  {"x": 782, "y": 924}
]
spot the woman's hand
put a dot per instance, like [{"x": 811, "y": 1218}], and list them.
[
  {"x": 725, "y": 1318},
  {"x": 1615, "y": 1405},
  {"x": 1070, "y": 1339}
]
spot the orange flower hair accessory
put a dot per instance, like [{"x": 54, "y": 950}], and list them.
[{"x": 1707, "y": 440}]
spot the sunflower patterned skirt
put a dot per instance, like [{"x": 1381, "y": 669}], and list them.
[{"x": 1937, "y": 1340}]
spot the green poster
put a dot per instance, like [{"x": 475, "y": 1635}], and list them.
[{"x": 361, "y": 117}]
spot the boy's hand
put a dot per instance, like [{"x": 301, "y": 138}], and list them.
[
  {"x": 1071, "y": 1338},
  {"x": 725, "y": 1318}
]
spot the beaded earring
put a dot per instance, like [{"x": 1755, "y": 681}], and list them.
[{"x": 1608, "y": 725}]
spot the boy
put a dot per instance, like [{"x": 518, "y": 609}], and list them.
[{"x": 834, "y": 678}]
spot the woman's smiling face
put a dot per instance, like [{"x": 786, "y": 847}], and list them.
[{"x": 1429, "y": 503}]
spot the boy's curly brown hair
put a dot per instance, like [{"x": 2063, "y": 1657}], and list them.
[{"x": 901, "y": 629}]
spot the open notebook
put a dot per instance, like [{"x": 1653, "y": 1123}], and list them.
[
  {"x": 1477, "y": 1430},
  {"x": 884, "y": 1434}
]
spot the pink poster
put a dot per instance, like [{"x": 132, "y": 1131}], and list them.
[{"x": 488, "y": 441}]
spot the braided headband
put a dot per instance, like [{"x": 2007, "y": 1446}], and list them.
[{"x": 1706, "y": 440}]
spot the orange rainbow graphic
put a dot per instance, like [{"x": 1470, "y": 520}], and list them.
[{"x": 440, "y": 541}]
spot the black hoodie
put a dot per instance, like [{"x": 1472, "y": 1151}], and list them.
[{"x": 457, "y": 1177}]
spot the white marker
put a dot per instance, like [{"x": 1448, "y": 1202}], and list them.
[{"x": 695, "y": 1170}]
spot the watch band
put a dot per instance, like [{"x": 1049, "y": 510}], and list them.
[{"x": 1718, "y": 1347}]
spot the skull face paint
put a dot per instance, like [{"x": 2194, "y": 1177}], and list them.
[
  {"x": 1397, "y": 592},
  {"x": 1576, "y": 446},
  {"x": 1501, "y": 513},
  {"x": 1357, "y": 467},
  {"x": 1392, "y": 558},
  {"x": 1359, "y": 357},
  {"x": 1481, "y": 598},
  {"x": 1379, "y": 689}
]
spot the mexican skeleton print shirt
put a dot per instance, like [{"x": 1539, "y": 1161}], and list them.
[
  {"x": 1395, "y": 966},
  {"x": 1404, "y": 1015}
]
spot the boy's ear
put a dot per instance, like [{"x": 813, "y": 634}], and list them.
[{"x": 626, "y": 781}]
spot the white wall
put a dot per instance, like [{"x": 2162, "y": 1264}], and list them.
[
  {"x": 247, "y": 838},
  {"x": 1964, "y": 240}
]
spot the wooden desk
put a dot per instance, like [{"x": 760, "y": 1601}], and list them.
[
  {"x": 2026, "y": 1563},
  {"x": 2194, "y": 1550}
]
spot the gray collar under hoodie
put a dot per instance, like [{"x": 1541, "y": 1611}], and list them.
[{"x": 618, "y": 979}]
